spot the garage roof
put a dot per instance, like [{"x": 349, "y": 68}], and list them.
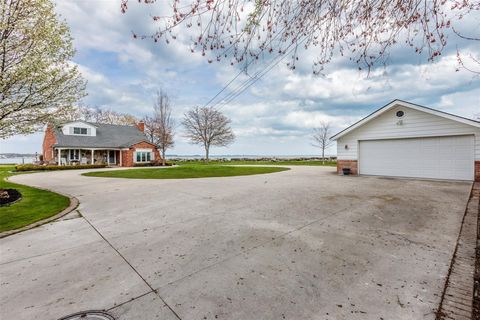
[{"x": 398, "y": 102}]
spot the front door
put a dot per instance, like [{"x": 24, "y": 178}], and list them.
[{"x": 111, "y": 156}]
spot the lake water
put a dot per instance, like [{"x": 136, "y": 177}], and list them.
[{"x": 17, "y": 160}]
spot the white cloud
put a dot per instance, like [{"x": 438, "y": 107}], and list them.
[
  {"x": 348, "y": 86},
  {"x": 92, "y": 77},
  {"x": 466, "y": 104},
  {"x": 310, "y": 120}
]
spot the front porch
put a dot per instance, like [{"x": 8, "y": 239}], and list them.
[{"x": 68, "y": 156}]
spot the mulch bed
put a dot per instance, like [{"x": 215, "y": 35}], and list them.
[{"x": 9, "y": 196}]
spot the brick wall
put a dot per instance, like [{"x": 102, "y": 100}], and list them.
[
  {"x": 48, "y": 141},
  {"x": 127, "y": 158},
  {"x": 127, "y": 155},
  {"x": 352, "y": 164},
  {"x": 477, "y": 171}
]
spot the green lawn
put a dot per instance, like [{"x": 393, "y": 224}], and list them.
[
  {"x": 35, "y": 204},
  {"x": 259, "y": 162},
  {"x": 185, "y": 172}
]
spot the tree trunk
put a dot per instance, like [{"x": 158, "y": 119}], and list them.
[
  {"x": 163, "y": 157},
  {"x": 206, "y": 153},
  {"x": 323, "y": 155}
]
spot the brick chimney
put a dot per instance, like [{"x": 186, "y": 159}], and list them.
[
  {"x": 141, "y": 126},
  {"x": 49, "y": 140}
]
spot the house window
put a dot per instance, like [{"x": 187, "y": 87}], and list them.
[
  {"x": 78, "y": 130},
  {"x": 74, "y": 155},
  {"x": 143, "y": 156}
]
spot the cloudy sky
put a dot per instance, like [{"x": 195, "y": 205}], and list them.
[{"x": 273, "y": 117}]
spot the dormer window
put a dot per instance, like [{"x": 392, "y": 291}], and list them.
[{"x": 77, "y": 130}]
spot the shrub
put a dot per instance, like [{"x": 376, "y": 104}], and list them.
[
  {"x": 33, "y": 167},
  {"x": 155, "y": 163}
]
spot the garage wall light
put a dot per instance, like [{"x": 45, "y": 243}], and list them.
[{"x": 346, "y": 146}]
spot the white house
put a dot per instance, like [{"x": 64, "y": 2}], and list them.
[{"x": 403, "y": 139}]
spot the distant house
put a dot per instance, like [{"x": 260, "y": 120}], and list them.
[
  {"x": 81, "y": 142},
  {"x": 403, "y": 139}
]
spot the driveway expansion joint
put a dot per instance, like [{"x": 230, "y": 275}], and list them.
[
  {"x": 133, "y": 268},
  {"x": 254, "y": 247},
  {"x": 131, "y": 300}
]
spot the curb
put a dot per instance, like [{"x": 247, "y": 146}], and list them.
[
  {"x": 457, "y": 298},
  {"x": 72, "y": 206}
]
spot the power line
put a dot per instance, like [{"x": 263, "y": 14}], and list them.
[
  {"x": 248, "y": 64},
  {"x": 246, "y": 84},
  {"x": 257, "y": 77}
]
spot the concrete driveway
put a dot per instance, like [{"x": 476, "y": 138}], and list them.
[{"x": 300, "y": 244}]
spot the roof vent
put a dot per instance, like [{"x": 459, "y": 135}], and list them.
[{"x": 400, "y": 113}]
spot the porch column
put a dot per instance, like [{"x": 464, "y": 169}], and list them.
[
  {"x": 108, "y": 157},
  {"x": 92, "y": 161},
  {"x": 120, "y": 157},
  {"x": 59, "y": 156}
]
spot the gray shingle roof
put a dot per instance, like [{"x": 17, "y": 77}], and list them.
[{"x": 108, "y": 136}]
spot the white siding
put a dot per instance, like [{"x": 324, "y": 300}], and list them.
[
  {"x": 415, "y": 124},
  {"x": 68, "y": 128}
]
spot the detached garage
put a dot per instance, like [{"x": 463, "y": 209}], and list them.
[{"x": 403, "y": 139}]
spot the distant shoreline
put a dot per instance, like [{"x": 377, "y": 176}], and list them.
[
  {"x": 247, "y": 156},
  {"x": 29, "y": 158},
  {"x": 17, "y": 155}
]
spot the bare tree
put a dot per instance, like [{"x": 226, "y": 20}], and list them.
[
  {"x": 365, "y": 31},
  {"x": 150, "y": 128},
  {"x": 321, "y": 137},
  {"x": 159, "y": 128},
  {"x": 208, "y": 127}
]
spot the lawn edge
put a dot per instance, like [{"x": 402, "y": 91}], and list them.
[
  {"x": 71, "y": 207},
  {"x": 281, "y": 169}
]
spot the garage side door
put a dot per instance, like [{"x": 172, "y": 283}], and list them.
[{"x": 437, "y": 158}]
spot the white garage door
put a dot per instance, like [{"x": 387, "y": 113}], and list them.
[{"x": 437, "y": 158}]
